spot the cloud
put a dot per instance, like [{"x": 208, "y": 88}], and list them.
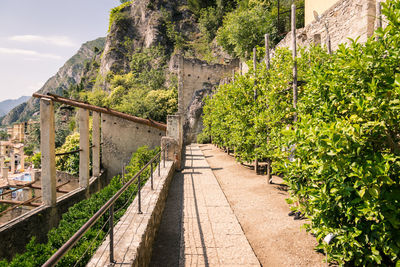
[
  {"x": 51, "y": 40},
  {"x": 28, "y": 53}
]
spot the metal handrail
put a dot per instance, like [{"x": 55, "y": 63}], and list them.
[{"x": 52, "y": 261}]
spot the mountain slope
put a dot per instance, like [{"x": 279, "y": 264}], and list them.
[
  {"x": 69, "y": 74},
  {"x": 9, "y": 104}
]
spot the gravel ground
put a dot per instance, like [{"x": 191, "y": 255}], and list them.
[{"x": 262, "y": 211}]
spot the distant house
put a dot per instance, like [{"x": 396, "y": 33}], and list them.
[{"x": 344, "y": 18}]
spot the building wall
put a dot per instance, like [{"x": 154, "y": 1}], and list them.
[
  {"x": 316, "y": 5},
  {"x": 196, "y": 80},
  {"x": 346, "y": 19},
  {"x": 121, "y": 138}
]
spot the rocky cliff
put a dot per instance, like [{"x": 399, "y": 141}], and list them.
[
  {"x": 68, "y": 75},
  {"x": 142, "y": 24}
]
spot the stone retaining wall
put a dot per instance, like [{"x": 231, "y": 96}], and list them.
[
  {"x": 345, "y": 19},
  {"x": 135, "y": 233},
  {"x": 36, "y": 223}
]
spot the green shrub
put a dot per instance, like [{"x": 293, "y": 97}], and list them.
[
  {"x": 242, "y": 30},
  {"x": 69, "y": 163},
  {"x": 37, "y": 254},
  {"x": 117, "y": 14},
  {"x": 341, "y": 159},
  {"x": 203, "y": 138}
]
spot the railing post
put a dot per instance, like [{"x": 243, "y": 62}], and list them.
[
  {"x": 96, "y": 144},
  {"x": 164, "y": 157},
  {"x": 112, "y": 234},
  {"x": 151, "y": 175},
  {"x": 159, "y": 163},
  {"x": 269, "y": 172},
  {"x": 139, "y": 196},
  {"x": 47, "y": 148},
  {"x": 123, "y": 173},
  {"x": 85, "y": 147}
]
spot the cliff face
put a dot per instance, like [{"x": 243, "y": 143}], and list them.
[
  {"x": 69, "y": 74},
  {"x": 142, "y": 24}
]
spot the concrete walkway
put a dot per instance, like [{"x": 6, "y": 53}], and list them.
[{"x": 207, "y": 229}]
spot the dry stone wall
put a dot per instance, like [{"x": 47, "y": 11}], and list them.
[
  {"x": 197, "y": 79},
  {"x": 346, "y": 19}
]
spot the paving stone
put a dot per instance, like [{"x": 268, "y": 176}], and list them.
[{"x": 211, "y": 233}]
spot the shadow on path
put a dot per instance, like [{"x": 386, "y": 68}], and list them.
[{"x": 166, "y": 246}]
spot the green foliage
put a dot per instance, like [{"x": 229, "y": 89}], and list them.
[
  {"x": 148, "y": 67},
  {"x": 203, "y": 138},
  {"x": 209, "y": 22},
  {"x": 117, "y": 14},
  {"x": 62, "y": 129},
  {"x": 28, "y": 150},
  {"x": 142, "y": 91},
  {"x": 242, "y": 30},
  {"x": 37, "y": 254},
  {"x": 4, "y": 136},
  {"x": 341, "y": 159},
  {"x": 174, "y": 37},
  {"x": 69, "y": 163},
  {"x": 36, "y": 160}
]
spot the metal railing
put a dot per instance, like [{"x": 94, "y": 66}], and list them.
[{"x": 52, "y": 261}]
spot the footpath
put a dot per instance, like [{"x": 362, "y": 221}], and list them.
[
  {"x": 262, "y": 211},
  {"x": 198, "y": 227}
]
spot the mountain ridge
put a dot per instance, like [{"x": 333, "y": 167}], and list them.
[
  {"x": 8, "y": 104},
  {"x": 70, "y": 74}
]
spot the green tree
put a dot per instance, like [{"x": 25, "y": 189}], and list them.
[{"x": 242, "y": 30}]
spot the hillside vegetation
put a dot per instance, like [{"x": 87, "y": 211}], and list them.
[{"x": 341, "y": 158}]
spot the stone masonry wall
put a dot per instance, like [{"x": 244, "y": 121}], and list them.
[
  {"x": 122, "y": 137},
  {"x": 346, "y": 19},
  {"x": 136, "y": 232},
  {"x": 196, "y": 80}
]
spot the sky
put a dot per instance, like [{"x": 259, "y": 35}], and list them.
[{"x": 38, "y": 36}]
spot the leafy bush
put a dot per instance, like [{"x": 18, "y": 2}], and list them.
[
  {"x": 203, "y": 138},
  {"x": 244, "y": 29},
  {"x": 117, "y": 13},
  {"x": 341, "y": 159},
  {"x": 37, "y": 254},
  {"x": 36, "y": 160},
  {"x": 69, "y": 163},
  {"x": 209, "y": 22}
]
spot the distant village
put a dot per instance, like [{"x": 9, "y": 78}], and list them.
[{"x": 15, "y": 170}]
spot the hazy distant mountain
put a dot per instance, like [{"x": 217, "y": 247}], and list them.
[
  {"x": 9, "y": 104},
  {"x": 68, "y": 75}
]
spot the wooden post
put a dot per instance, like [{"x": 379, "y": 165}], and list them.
[
  {"x": 267, "y": 58},
  {"x": 294, "y": 53},
  {"x": 96, "y": 144},
  {"x": 84, "y": 154},
  {"x": 255, "y": 71},
  {"x": 269, "y": 178},
  {"x": 378, "y": 16},
  {"x": 255, "y": 93},
  {"x": 48, "y": 150}
]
